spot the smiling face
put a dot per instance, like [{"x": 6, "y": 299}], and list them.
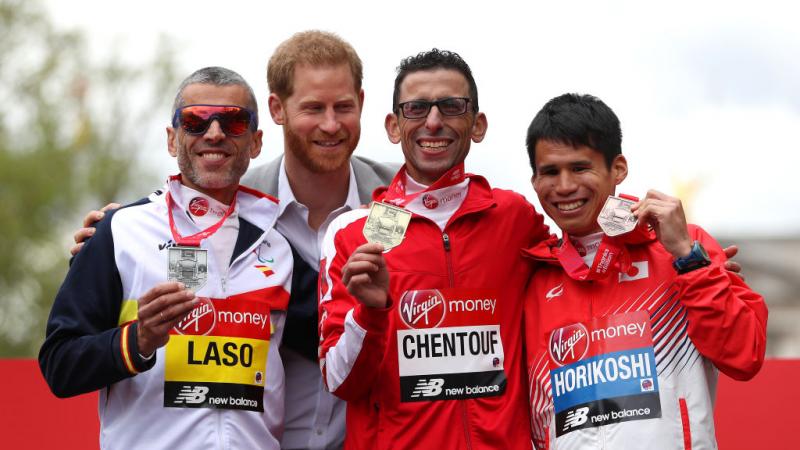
[
  {"x": 322, "y": 118},
  {"x": 213, "y": 162},
  {"x": 573, "y": 184},
  {"x": 436, "y": 143}
]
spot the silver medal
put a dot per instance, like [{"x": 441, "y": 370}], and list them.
[
  {"x": 188, "y": 265},
  {"x": 616, "y": 217}
]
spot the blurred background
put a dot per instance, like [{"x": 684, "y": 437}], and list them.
[{"x": 707, "y": 94}]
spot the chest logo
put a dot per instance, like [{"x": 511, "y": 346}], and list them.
[
  {"x": 200, "y": 321},
  {"x": 422, "y": 309},
  {"x": 198, "y": 206},
  {"x": 430, "y": 201},
  {"x": 557, "y": 291},
  {"x": 568, "y": 344}
]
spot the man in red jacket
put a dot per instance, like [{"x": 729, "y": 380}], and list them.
[
  {"x": 631, "y": 314},
  {"x": 423, "y": 339}
]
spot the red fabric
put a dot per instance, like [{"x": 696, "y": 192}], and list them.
[{"x": 485, "y": 236}]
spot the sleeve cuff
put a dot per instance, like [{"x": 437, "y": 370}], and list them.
[
  {"x": 373, "y": 319},
  {"x": 134, "y": 362}
]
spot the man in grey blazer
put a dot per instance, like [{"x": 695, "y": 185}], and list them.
[{"x": 315, "y": 95}]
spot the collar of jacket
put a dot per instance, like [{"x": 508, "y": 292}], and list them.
[{"x": 479, "y": 196}]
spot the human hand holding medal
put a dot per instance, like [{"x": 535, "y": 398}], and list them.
[
  {"x": 386, "y": 224},
  {"x": 616, "y": 217}
]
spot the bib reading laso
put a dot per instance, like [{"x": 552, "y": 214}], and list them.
[
  {"x": 217, "y": 356},
  {"x": 449, "y": 345},
  {"x": 603, "y": 371}
]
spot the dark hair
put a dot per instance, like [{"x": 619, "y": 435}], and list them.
[
  {"x": 432, "y": 60},
  {"x": 216, "y": 76},
  {"x": 576, "y": 120}
]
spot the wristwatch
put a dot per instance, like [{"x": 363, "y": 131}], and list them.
[{"x": 696, "y": 259}]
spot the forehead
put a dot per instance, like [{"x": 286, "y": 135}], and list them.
[
  {"x": 433, "y": 84},
  {"x": 317, "y": 81},
  {"x": 209, "y": 94},
  {"x": 550, "y": 152}
]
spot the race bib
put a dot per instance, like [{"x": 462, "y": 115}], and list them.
[
  {"x": 603, "y": 371},
  {"x": 217, "y": 356},
  {"x": 449, "y": 345}
]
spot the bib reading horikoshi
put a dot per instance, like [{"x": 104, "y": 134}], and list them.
[{"x": 628, "y": 357}]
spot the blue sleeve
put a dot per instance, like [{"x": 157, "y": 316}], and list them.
[{"x": 85, "y": 349}]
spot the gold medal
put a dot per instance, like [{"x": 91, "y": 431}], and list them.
[
  {"x": 616, "y": 217},
  {"x": 188, "y": 265},
  {"x": 386, "y": 224}
]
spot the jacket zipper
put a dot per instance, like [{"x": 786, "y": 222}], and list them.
[{"x": 451, "y": 279}]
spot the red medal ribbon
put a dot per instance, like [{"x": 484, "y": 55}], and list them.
[
  {"x": 610, "y": 257},
  {"x": 195, "y": 239},
  {"x": 396, "y": 193}
]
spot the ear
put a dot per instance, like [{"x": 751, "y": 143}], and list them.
[
  {"x": 392, "y": 126},
  {"x": 171, "y": 147},
  {"x": 255, "y": 150},
  {"x": 276, "y": 109},
  {"x": 619, "y": 169},
  {"x": 479, "y": 127},
  {"x": 361, "y": 100}
]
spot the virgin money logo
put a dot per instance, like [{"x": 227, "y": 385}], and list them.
[
  {"x": 430, "y": 201},
  {"x": 568, "y": 344},
  {"x": 422, "y": 309},
  {"x": 198, "y": 206},
  {"x": 201, "y": 320}
]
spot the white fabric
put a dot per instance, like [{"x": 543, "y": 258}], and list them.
[{"x": 309, "y": 406}]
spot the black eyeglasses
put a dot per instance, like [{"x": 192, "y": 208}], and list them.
[{"x": 419, "y": 109}]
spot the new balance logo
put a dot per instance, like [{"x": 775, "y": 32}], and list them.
[
  {"x": 428, "y": 388},
  {"x": 192, "y": 395},
  {"x": 557, "y": 291},
  {"x": 576, "y": 418}
]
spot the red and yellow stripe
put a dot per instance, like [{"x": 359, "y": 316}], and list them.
[{"x": 126, "y": 352}]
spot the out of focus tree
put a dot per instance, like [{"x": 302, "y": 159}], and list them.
[{"x": 71, "y": 128}]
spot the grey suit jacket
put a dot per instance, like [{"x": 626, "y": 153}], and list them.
[
  {"x": 300, "y": 330},
  {"x": 369, "y": 175}
]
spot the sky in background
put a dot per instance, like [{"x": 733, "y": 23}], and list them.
[{"x": 708, "y": 93}]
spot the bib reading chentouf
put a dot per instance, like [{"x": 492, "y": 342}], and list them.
[
  {"x": 217, "y": 356},
  {"x": 603, "y": 371},
  {"x": 449, "y": 345}
]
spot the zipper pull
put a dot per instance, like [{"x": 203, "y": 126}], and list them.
[{"x": 446, "y": 240}]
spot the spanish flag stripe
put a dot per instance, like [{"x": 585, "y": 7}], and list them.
[{"x": 126, "y": 354}]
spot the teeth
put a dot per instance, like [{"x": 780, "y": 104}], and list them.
[
  {"x": 327, "y": 143},
  {"x": 213, "y": 156},
  {"x": 436, "y": 144},
  {"x": 570, "y": 206}
]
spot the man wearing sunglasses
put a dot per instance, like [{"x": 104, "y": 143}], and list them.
[
  {"x": 315, "y": 95},
  {"x": 424, "y": 339},
  {"x": 175, "y": 308}
]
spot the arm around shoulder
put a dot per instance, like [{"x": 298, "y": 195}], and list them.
[{"x": 727, "y": 319}]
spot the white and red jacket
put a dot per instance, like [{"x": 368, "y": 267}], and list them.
[
  {"x": 442, "y": 366},
  {"x": 631, "y": 358}
]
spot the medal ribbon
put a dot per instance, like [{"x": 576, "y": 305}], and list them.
[
  {"x": 396, "y": 193},
  {"x": 609, "y": 258},
  {"x": 195, "y": 239}
]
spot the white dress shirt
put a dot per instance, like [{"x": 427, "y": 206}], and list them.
[{"x": 308, "y": 405}]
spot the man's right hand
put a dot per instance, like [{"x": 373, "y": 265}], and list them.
[
  {"x": 88, "y": 230},
  {"x": 160, "y": 309},
  {"x": 366, "y": 276}
]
